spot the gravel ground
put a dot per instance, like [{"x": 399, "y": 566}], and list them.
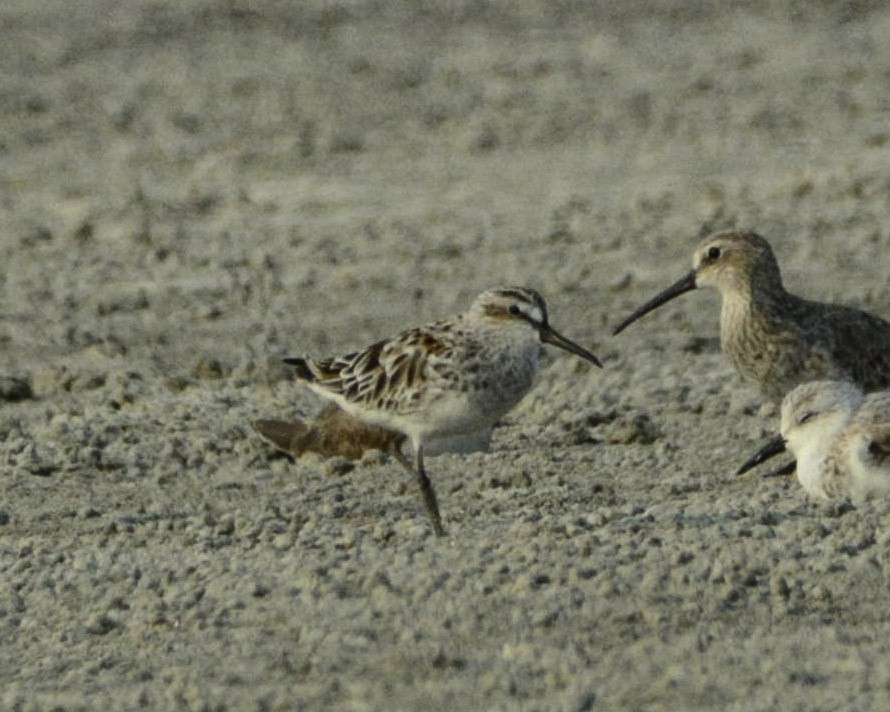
[{"x": 192, "y": 190}]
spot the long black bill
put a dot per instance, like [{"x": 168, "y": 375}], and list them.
[
  {"x": 773, "y": 447},
  {"x": 549, "y": 335},
  {"x": 686, "y": 284}
]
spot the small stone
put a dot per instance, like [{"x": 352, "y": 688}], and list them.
[
  {"x": 778, "y": 587},
  {"x": 819, "y": 593},
  {"x": 15, "y": 389},
  {"x": 226, "y": 526},
  {"x": 177, "y": 384},
  {"x": 101, "y": 624},
  {"x": 633, "y": 428},
  {"x": 209, "y": 369}
]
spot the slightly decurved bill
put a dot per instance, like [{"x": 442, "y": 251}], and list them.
[
  {"x": 681, "y": 286},
  {"x": 551, "y": 336},
  {"x": 771, "y": 448}
]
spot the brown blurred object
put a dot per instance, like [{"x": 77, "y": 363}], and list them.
[{"x": 333, "y": 433}]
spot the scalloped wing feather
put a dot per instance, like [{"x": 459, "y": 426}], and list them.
[
  {"x": 384, "y": 375},
  {"x": 861, "y": 346}
]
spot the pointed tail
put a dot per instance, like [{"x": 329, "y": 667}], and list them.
[{"x": 303, "y": 372}]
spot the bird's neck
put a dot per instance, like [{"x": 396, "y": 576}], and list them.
[
  {"x": 749, "y": 319},
  {"x": 751, "y": 308},
  {"x": 812, "y": 463}
]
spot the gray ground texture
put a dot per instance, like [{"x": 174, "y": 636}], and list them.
[{"x": 191, "y": 190}]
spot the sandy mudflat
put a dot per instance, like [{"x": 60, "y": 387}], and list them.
[{"x": 191, "y": 190}]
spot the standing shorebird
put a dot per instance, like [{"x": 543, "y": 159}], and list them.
[
  {"x": 840, "y": 437},
  {"x": 449, "y": 378},
  {"x": 773, "y": 338}
]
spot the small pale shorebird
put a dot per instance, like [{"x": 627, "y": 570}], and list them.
[
  {"x": 775, "y": 339},
  {"x": 840, "y": 437},
  {"x": 449, "y": 378}
]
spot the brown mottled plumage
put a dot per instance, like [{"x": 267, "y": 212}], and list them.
[
  {"x": 332, "y": 433},
  {"x": 450, "y": 378},
  {"x": 775, "y": 339}
]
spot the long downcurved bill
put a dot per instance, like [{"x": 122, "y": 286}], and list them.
[
  {"x": 686, "y": 284},
  {"x": 773, "y": 447},
  {"x": 551, "y": 336}
]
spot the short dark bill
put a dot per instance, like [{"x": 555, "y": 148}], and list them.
[{"x": 771, "y": 448}]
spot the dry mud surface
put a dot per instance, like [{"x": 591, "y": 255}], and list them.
[{"x": 191, "y": 190}]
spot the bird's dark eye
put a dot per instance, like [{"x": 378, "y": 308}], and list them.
[
  {"x": 714, "y": 253},
  {"x": 514, "y": 310}
]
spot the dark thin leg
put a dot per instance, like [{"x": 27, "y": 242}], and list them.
[
  {"x": 396, "y": 452},
  {"x": 429, "y": 494}
]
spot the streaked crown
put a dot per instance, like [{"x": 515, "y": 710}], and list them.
[{"x": 512, "y": 303}]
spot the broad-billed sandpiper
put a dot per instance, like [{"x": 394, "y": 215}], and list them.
[
  {"x": 449, "y": 378},
  {"x": 773, "y": 338},
  {"x": 840, "y": 437}
]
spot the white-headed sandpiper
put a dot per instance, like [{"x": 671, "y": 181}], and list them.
[
  {"x": 840, "y": 437},
  {"x": 449, "y": 378}
]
